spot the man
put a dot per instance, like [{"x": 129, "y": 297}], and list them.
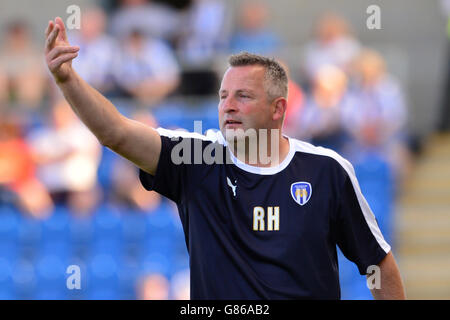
[{"x": 254, "y": 230}]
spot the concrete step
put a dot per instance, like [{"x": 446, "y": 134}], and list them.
[
  {"x": 412, "y": 211},
  {"x": 421, "y": 198},
  {"x": 426, "y": 278},
  {"x": 422, "y": 220},
  {"x": 436, "y": 175},
  {"x": 422, "y": 250}
]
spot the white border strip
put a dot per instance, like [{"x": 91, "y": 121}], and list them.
[
  {"x": 211, "y": 135},
  {"x": 367, "y": 212},
  {"x": 265, "y": 170}
]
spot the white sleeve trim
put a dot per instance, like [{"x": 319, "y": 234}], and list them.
[
  {"x": 365, "y": 208},
  {"x": 210, "y": 135}
]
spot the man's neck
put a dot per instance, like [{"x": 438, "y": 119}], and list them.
[{"x": 264, "y": 154}]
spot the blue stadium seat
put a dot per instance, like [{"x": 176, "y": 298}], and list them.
[
  {"x": 105, "y": 168},
  {"x": 161, "y": 229},
  {"x": 6, "y": 280},
  {"x": 134, "y": 226},
  {"x": 182, "y": 115},
  {"x": 135, "y": 233},
  {"x": 162, "y": 220},
  {"x": 51, "y": 277},
  {"x": 107, "y": 231},
  {"x": 156, "y": 263},
  {"x": 206, "y": 112},
  {"x": 169, "y": 114},
  {"x": 179, "y": 239},
  {"x": 9, "y": 232},
  {"x": 101, "y": 294},
  {"x": 376, "y": 181},
  {"x": 159, "y": 245},
  {"x": 46, "y": 294},
  {"x": 103, "y": 277},
  {"x": 76, "y": 264},
  {"x": 128, "y": 276},
  {"x": 30, "y": 232},
  {"x": 24, "y": 279},
  {"x": 55, "y": 238},
  {"x": 180, "y": 261},
  {"x": 81, "y": 230},
  {"x": 359, "y": 290},
  {"x": 353, "y": 285}
]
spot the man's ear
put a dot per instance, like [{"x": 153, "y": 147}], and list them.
[{"x": 280, "y": 107}]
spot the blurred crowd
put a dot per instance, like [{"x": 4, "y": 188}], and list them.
[{"x": 61, "y": 191}]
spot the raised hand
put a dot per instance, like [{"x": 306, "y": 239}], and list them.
[{"x": 58, "y": 51}]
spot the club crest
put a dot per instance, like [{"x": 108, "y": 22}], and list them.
[{"x": 301, "y": 192}]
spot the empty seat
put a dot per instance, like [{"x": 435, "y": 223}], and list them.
[
  {"x": 6, "y": 279},
  {"x": 51, "y": 276},
  {"x": 107, "y": 231},
  {"x": 24, "y": 279},
  {"x": 55, "y": 233},
  {"x": 102, "y": 272},
  {"x": 9, "y": 231}
]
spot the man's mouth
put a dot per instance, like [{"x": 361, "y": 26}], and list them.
[{"x": 232, "y": 122}]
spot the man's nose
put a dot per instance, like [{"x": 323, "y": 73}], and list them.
[{"x": 229, "y": 105}]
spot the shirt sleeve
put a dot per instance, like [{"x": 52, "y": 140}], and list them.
[
  {"x": 358, "y": 234},
  {"x": 169, "y": 178}
]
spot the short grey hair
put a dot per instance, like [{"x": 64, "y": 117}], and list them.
[{"x": 276, "y": 79}]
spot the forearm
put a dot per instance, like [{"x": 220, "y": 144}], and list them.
[
  {"x": 391, "y": 284},
  {"x": 96, "y": 112},
  {"x": 131, "y": 139}
]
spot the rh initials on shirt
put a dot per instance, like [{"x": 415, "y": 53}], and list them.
[{"x": 272, "y": 219}]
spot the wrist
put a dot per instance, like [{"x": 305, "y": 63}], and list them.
[{"x": 69, "y": 77}]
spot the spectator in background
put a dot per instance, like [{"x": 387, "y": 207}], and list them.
[
  {"x": 203, "y": 36},
  {"x": 126, "y": 187},
  {"x": 127, "y": 190},
  {"x": 333, "y": 44},
  {"x": 84, "y": 202},
  {"x": 376, "y": 114},
  {"x": 147, "y": 68},
  {"x": 180, "y": 285},
  {"x": 153, "y": 286},
  {"x": 67, "y": 154},
  {"x": 98, "y": 51},
  {"x": 17, "y": 172},
  {"x": 320, "y": 120},
  {"x": 151, "y": 19},
  {"x": 253, "y": 34},
  {"x": 295, "y": 104},
  {"x": 22, "y": 77},
  {"x": 204, "y": 33}
]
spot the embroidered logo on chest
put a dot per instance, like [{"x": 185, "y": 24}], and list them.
[{"x": 301, "y": 192}]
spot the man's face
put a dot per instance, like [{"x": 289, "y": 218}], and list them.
[{"x": 243, "y": 100}]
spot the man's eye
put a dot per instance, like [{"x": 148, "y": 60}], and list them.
[{"x": 244, "y": 96}]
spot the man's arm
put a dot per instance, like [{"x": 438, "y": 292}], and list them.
[
  {"x": 131, "y": 139},
  {"x": 391, "y": 285}
]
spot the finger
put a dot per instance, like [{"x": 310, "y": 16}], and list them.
[
  {"x": 58, "y": 50},
  {"x": 52, "y": 37},
  {"x": 60, "y": 23},
  {"x": 49, "y": 28},
  {"x": 55, "y": 64}
]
